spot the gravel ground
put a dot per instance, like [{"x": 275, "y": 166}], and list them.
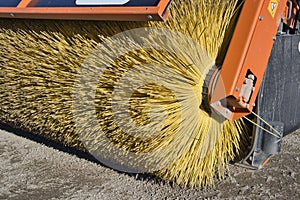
[{"x": 33, "y": 170}]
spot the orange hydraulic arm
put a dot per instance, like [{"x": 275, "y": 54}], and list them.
[
  {"x": 86, "y": 9},
  {"x": 236, "y": 86}
]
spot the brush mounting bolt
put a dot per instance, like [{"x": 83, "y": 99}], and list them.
[
  {"x": 237, "y": 89},
  {"x": 150, "y": 17},
  {"x": 261, "y": 18},
  {"x": 12, "y": 14}
]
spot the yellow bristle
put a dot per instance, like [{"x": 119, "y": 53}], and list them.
[{"x": 46, "y": 68}]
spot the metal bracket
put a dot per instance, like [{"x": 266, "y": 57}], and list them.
[
  {"x": 264, "y": 146},
  {"x": 290, "y": 6}
]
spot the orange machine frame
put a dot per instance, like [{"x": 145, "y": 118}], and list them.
[
  {"x": 26, "y": 9},
  {"x": 248, "y": 53}
]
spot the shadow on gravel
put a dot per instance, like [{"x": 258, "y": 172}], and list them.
[
  {"x": 47, "y": 142},
  {"x": 70, "y": 150}
]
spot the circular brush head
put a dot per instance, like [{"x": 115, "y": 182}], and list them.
[{"x": 128, "y": 93}]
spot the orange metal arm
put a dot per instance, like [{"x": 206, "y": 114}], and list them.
[
  {"x": 27, "y": 9},
  {"x": 241, "y": 75}
]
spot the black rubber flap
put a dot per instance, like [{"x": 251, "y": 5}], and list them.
[{"x": 279, "y": 99}]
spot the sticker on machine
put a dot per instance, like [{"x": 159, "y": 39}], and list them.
[
  {"x": 101, "y": 2},
  {"x": 273, "y": 5}
]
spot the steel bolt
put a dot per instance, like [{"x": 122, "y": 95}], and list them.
[
  {"x": 261, "y": 18},
  {"x": 237, "y": 89},
  {"x": 150, "y": 17}
]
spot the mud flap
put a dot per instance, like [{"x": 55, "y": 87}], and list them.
[{"x": 280, "y": 93}]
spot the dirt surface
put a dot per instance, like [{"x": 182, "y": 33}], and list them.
[{"x": 32, "y": 170}]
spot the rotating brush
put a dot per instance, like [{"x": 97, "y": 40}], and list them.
[{"x": 129, "y": 93}]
